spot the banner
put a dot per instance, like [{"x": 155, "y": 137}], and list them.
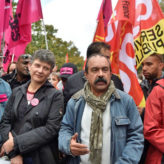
[
  {"x": 5, "y": 6},
  {"x": 102, "y": 19},
  {"x": 31, "y": 11},
  {"x": 148, "y": 29},
  {"x": 18, "y": 34},
  {"x": 120, "y": 35}
]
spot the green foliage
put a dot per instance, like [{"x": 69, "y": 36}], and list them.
[
  {"x": 161, "y": 3},
  {"x": 59, "y": 47}
]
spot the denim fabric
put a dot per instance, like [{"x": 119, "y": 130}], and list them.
[
  {"x": 4, "y": 89},
  {"x": 126, "y": 131}
]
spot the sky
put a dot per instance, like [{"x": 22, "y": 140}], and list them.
[{"x": 74, "y": 19}]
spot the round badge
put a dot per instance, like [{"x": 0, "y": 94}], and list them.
[{"x": 34, "y": 102}]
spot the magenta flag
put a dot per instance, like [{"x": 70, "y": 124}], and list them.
[
  {"x": 5, "y": 6},
  {"x": 28, "y": 11},
  {"x": 106, "y": 9},
  {"x": 8, "y": 9},
  {"x": 18, "y": 35},
  {"x": 2, "y": 11},
  {"x": 32, "y": 11},
  {"x": 13, "y": 53}
]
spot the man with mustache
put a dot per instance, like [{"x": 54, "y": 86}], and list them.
[
  {"x": 101, "y": 124},
  {"x": 76, "y": 82}
]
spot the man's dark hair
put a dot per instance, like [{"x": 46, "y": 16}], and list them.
[
  {"x": 93, "y": 55},
  {"x": 45, "y": 56},
  {"x": 96, "y": 47},
  {"x": 159, "y": 57}
]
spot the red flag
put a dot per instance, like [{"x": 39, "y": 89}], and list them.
[
  {"x": 103, "y": 18},
  {"x": 134, "y": 33},
  {"x": 66, "y": 58},
  {"x": 84, "y": 64},
  {"x": 27, "y": 12},
  {"x": 2, "y": 9},
  {"x": 119, "y": 35}
]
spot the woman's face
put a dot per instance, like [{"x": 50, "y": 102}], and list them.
[{"x": 53, "y": 80}]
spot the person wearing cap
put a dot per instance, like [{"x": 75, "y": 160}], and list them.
[
  {"x": 31, "y": 121},
  {"x": 66, "y": 71},
  {"x": 21, "y": 74},
  {"x": 5, "y": 90}
]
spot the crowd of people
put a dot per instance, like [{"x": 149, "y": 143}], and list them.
[{"x": 79, "y": 117}]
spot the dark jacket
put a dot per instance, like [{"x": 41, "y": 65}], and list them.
[
  {"x": 147, "y": 87},
  {"x": 35, "y": 135},
  {"x": 11, "y": 79},
  {"x": 76, "y": 83}
]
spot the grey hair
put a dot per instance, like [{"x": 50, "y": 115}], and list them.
[{"x": 45, "y": 56}]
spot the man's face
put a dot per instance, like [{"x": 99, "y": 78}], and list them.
[
  {"x": 39, "y": 71},
  {"x": 152, "y": 68},
  {"x": 98, "y": 75},
  {"x": 105, "y": 52},
  {"x": 22, "y": 66}
]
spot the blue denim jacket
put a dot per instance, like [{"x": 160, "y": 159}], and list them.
[
  {"x": 126, "y": 128},
  {"x": 4, "y": 90}
]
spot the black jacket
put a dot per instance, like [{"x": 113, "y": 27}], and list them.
[
  {"x": 76, "y": 82},
  {"x": 36, "y": 134},
  {"x": 11, "y": 79}
]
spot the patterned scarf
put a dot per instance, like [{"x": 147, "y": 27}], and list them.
[{"x": 98, "y": 105}]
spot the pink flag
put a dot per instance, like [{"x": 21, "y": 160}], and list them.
[
  {"x": 8, "y": 9},
  {"x": 2, "y": 11},
  {"x": 5, "y": 7},
  {"x": 32, "y": 11},
  {"x": 13, "y": 53},
  {"x": 106, "y": 9},
  {"x": 18, "y": 34},
  {"x": 27, "y": 12}
]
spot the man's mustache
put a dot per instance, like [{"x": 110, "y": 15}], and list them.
[{"x": 100, "y": 79}]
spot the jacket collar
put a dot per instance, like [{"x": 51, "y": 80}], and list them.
[
  {"x": 146, "y": 83},
  {"x": 40, "y": 94}
]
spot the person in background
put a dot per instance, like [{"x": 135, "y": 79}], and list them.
[
  {"x": 152, "y": 68},
  {"x": 152, "y": 71},
  {"x": 31, "y": 121},
  {"x": 101, "y": 124},
  {"x": 67, "y": 70},
  {"x": 54, "y": 79},
  {"x": 76, "y": 81},
  {"x": 21, "y": 74},
  {"x": 153, "y": 124},
  {"x": 5, "y": 90},
  {"x": 11, "y": 67}
]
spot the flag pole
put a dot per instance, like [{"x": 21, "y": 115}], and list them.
[
  {"x": 45, "y": 34},
  {"x": 12, "y": 58}
]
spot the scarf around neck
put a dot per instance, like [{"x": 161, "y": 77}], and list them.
[{"x": 98, "y": 105}]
